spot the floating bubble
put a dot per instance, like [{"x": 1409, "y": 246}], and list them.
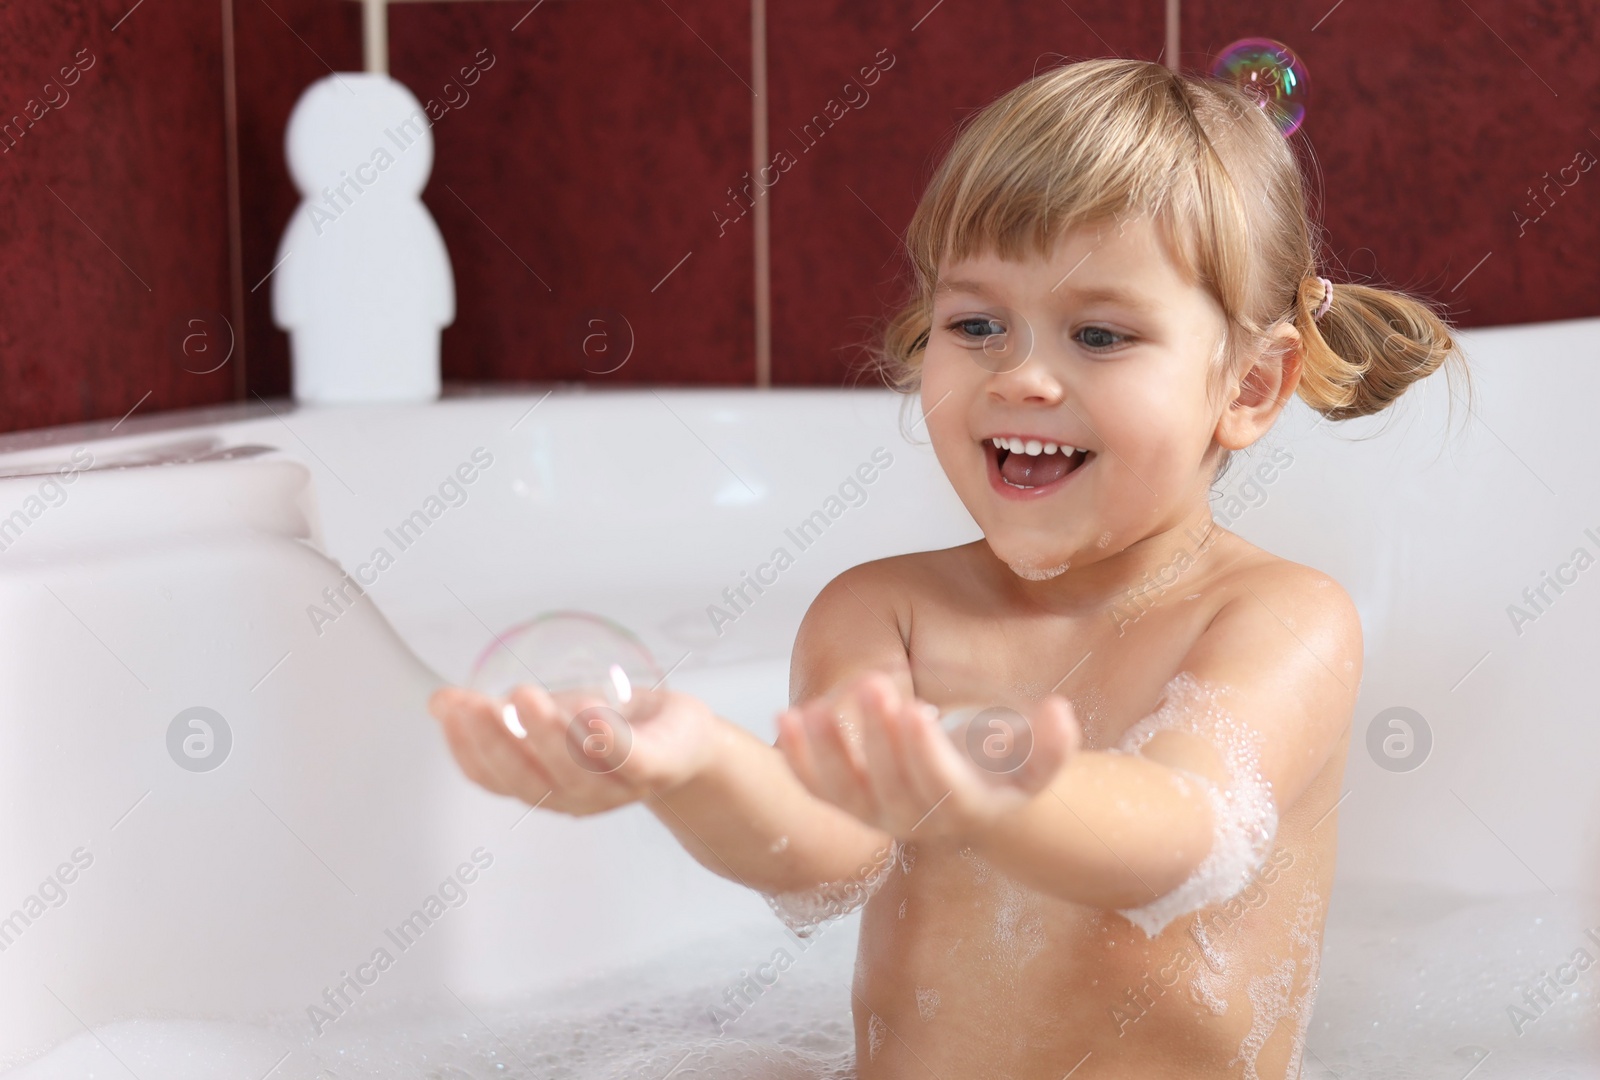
[
  {"x": 1271, "y": 73},
  {"x": 573, "y": 651},
  {"x": 567, "y": 650}
]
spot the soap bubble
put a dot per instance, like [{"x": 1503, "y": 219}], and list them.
[
  {"x": 1271, "y": 73},
  {"x": 566, "y": 651}
]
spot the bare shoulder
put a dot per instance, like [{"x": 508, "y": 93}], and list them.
[
  {"x": 1284, "y": 643},
  {"x": 895, "y": 582},
  {"x": 861, "y": 620},
  {"x": 1309, "y": 604},
  {"x": 1287, "y": 638}
]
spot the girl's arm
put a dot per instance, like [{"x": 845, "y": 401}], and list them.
[
  {"x": 1265, "y": 698},
  {"x": 730, "y": 799}
]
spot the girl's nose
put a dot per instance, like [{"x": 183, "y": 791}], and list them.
[{"x": 1022, "y": 371}]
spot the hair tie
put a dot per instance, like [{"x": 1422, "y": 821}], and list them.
[{"x": 1327, "y": 298}]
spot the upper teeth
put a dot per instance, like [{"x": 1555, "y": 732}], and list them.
[{"x": 1032, "y": 446}]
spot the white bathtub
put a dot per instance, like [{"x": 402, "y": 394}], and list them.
[{"x": 207, "y": 911}]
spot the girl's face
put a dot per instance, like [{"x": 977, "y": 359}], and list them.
[{"x": 1103, "y": 349}]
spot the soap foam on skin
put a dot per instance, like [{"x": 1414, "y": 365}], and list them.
[
  {"x": 1211, "y": 978},
  {"x": 804, "y": 910},
  {"x": 1033, "y": 573},
  {"x": 1245, "y": 820}
]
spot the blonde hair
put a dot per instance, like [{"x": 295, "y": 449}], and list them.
[{"x": 1098, "y": 141}]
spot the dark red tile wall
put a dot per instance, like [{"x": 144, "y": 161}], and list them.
[
  {"x": 113, "y": 222},
  {"x": 1430, "y": 120},
  {"x": 283, "y": 46},
  {"x": 583, "y": 182},
  {"x": 569, "y": 179},
  {"x": 838, "y": 212},
  {"x": 583, "y": 168}
]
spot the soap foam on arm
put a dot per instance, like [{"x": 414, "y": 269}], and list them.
[
  {"x": 1243, "y": 814},
  {"x": 804, "y": 910}
]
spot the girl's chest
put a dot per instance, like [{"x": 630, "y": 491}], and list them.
[{"x": 1110, "y": 667}]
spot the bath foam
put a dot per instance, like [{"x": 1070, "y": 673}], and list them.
[
  {"x": 1019, "y": 933},
  {"x": 1089, "y": 707},
  {"x": 804, "y": 910},
  {"x": 1304, "y": 933},
  {"x": 1271, "y": 999},
  {"x": 1211, "y": 978},
  {"x": 1244, "y": 817},
  {"x": 876, "y": 1028},
  {"x": 1037, "y": 573},
  {"x": 927, "y": 1003},
  {"x": 1272, "y": 996}
]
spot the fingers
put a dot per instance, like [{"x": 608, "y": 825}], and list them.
[
  {"x": 905, "y": 773},
  {"x": 579, "y": 788},
  {"x": 1057, "y": 737},
  {"x": 815, "y": 740},
  {"x": 534, "y": 767},
  {"x": 487, "y": 753},
  {"x": 849, "y": 749},
  {"x": 837, "y": 771},
  {"x": 888, "y": 761}
]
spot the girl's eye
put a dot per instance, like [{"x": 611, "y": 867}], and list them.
[
  {"x": 1098, "y": 337},
  {"x": 977, "y": 328}
]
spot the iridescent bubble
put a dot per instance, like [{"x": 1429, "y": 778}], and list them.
[
  {"x": 567, "y": 650},
  {"x": 1271, "y": 73}
]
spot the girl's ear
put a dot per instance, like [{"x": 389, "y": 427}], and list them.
[{"x": 1260, "y": 394}]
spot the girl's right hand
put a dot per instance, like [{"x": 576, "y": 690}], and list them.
[{"x": 579, "y": 756}]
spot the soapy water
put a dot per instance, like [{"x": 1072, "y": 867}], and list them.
[
  {"x": 1416, "y": 984},
  {"x": 1244, "y": 817}
]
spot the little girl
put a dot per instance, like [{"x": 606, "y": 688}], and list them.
[{"x": 1118, "y": 866}]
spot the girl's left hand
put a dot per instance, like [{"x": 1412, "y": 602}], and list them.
[{"x": 885, "y": 759}]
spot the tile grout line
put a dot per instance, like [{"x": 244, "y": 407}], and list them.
[
  {"x": 763, "y": 221},
  {"x": 1174, "y": 24},
  {"x": 230, "y": 127}
]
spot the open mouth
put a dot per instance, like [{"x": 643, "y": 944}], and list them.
[{"x": 1026, "y": 468}]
